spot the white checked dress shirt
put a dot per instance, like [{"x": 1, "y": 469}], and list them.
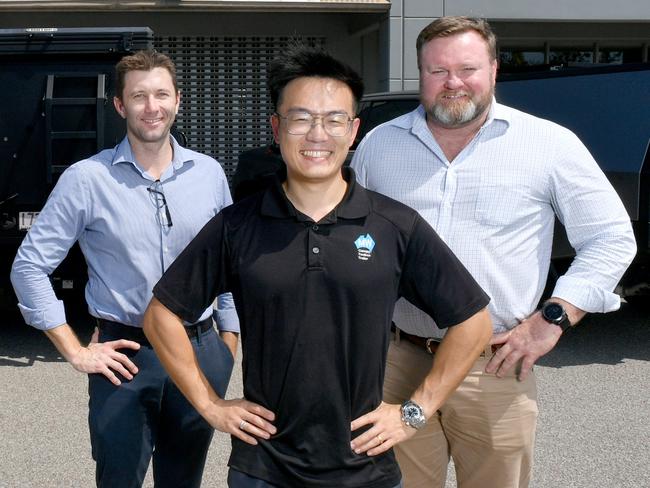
[{"x": 495, "y": 207}]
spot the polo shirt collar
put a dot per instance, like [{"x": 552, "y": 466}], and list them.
[
  {"x": 124, "y": 154},
  {"x": 355, "y": 203}
]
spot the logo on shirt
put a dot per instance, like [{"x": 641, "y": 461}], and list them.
[{"x": 365, "y": 245}]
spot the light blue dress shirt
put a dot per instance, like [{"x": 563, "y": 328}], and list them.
[
  {"x": 495, "y": 207},
  {"x": 103, "y": 203}
]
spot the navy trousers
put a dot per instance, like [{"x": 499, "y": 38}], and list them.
[{"x": 148, "y": 417}]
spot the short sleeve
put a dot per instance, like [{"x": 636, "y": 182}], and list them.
[
  {"x": 434, "y": 280},
  {"x": 198, "y": 274}
]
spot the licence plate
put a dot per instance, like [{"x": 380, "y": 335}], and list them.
[{"x": 26, "y": 219}]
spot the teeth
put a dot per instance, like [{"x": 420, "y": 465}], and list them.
[{"x": 316, "y": 154}]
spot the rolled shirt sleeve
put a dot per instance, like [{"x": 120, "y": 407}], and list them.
[
  {"x": 47, "y": 243},
  {"x": 597, "y": 225},
  {"x": 225, "y": 314}
]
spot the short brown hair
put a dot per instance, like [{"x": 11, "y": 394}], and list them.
[
  {"x": 142, "y": 61},
  {"x": 452, "y": 25}
]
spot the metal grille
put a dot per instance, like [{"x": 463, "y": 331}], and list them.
[{"x": 225, "y": 106}]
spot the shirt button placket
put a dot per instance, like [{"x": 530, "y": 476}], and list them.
[
  {"x": 448, "y": 196},
  {"x": 314, "y": 248}
]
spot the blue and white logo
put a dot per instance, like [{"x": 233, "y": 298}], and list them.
[{"x": 365, "y": 245}]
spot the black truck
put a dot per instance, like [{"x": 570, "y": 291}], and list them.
[
  {"x": 55, "y": 108},
  {"x": 608, "y": 107}
]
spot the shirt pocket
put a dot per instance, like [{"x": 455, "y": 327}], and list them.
[{"x": 499, "y": 204}]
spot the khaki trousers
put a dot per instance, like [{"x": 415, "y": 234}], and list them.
[{"x": 487, "y": 426}]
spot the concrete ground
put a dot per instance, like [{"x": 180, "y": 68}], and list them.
[{"x": 594, "y": 425}]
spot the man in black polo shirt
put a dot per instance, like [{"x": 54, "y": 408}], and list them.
[{"x": 315, "y": 264}]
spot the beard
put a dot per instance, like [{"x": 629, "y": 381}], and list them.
[{"x": 457, "y": 113}]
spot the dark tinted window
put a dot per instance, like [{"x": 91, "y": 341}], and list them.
[
  {"x": 613, "y": 55},
  {"x": 513, "y": 60},
  {"x": 379, "y": 112}
]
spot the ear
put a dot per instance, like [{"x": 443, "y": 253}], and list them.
[
  {"x": 356, "y": 123},
  {"x": 119, "y": 107},
  {"x": 178, "y": 102},
  {"x": 493, "y": 68},
  {"x": 275, "y": 125}
]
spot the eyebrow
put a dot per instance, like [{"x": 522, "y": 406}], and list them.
[{"x": 332, "y": 112}]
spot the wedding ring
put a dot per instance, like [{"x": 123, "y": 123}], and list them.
[
  {"x": 381, "y": 441},
  {"x": 242, "y": 424}
]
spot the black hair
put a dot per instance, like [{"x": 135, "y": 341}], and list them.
[{"x": 300, "y": 60}]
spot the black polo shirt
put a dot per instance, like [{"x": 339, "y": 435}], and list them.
[{"x": 315, "y": 301}]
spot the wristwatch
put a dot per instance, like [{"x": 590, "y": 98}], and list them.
[
  {"x": 413, "y": 415},
  {"x": 555, "y": 314}
]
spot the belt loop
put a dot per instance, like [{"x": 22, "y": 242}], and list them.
[
  {"x": 397, "y": 335},
  {"x": 197, "y": 331}
]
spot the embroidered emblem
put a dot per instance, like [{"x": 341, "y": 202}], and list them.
[{"x": 365, "y": 245}]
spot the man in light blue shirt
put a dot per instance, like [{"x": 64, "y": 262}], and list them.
[
  {"x": 491, "y": 180},
  {"x": 132, "y": 209}
]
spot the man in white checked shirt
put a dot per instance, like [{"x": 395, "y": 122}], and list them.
[{"x": 491, "y": 180}]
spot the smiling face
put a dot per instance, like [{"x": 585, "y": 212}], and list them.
[
  {"x": 457, "y": 78},
  {"x": 315, "y": 156},
  {"x": 149, "y": 104}
]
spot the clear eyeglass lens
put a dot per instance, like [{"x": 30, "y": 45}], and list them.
[{"x": 299, "y": 123}]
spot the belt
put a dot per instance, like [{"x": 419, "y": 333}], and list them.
[
  {"x": 431, "y": 344},
  {"x": 136, "y": 334}
]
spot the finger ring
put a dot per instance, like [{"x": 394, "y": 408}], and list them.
[
  {"x": 242, "y": 424},
  {"x": 381, "y": 441}
]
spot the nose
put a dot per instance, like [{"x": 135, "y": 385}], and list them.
[
  {"x": 317, "y": 130},
  {"x": 151, "y": 104},
  {"x": 453, "y": 81}
]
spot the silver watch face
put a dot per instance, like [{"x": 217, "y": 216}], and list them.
[{"x": 413, "y": 415}]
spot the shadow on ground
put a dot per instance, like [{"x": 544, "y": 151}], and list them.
[
  {"x": 604, "y": 339},
  {"x": 22, "y": 345},
  {"x": 599, "y": 339}
]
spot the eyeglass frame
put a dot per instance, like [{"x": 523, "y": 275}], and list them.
[
  {"x": 314, "y": 122},
  {"x": 153, "y": 190}
]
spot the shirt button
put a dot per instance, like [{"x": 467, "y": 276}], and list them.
[
  {"x": 314, "y": 227},
  {"x": 315, "y": 250}
]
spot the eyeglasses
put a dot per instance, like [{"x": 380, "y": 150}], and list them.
[
  {"x": 335, "y": 124},
  {"x": 159, "y": 200}
]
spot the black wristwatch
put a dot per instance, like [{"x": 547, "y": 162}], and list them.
[
  {"x": 555, "y": 314},
  {"x": 413, "y": 415}
]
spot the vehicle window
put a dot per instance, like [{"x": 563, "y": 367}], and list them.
[{"x": 379, "y": 112}]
